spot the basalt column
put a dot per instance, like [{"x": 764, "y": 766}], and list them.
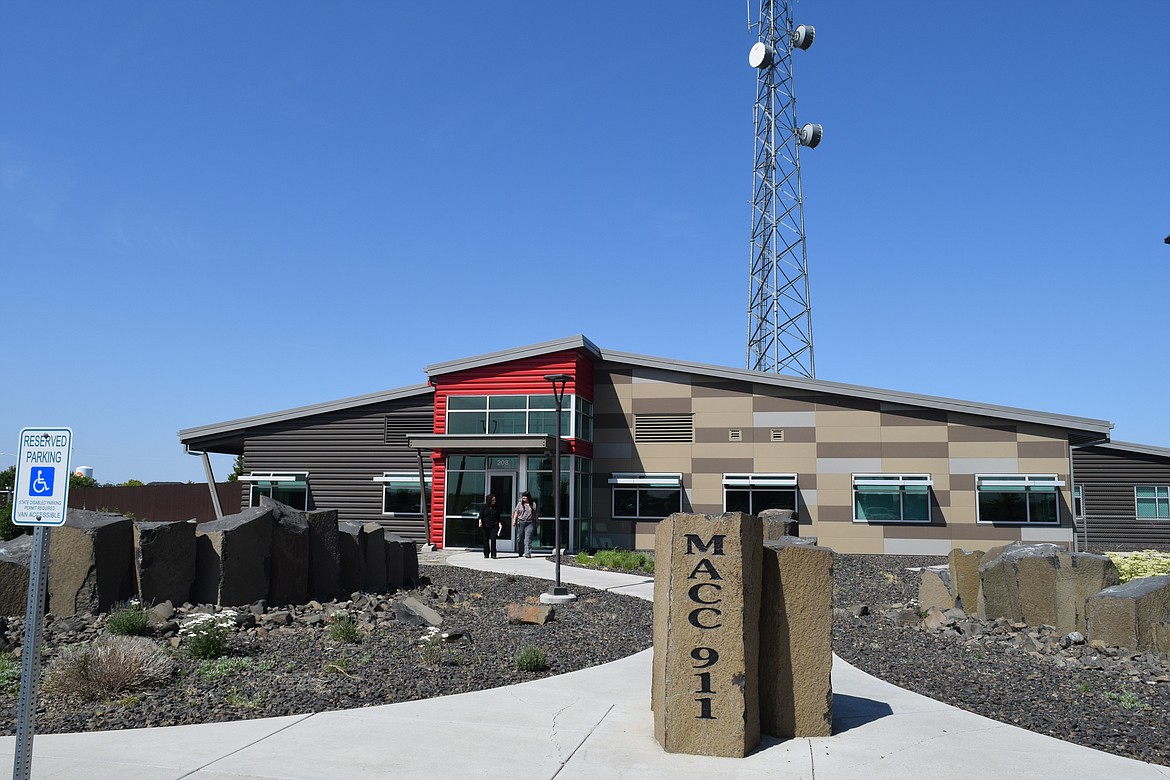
[{"x": 705, "y": 690}]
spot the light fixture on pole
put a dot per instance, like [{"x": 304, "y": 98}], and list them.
[{"x": 558, "y": 594}]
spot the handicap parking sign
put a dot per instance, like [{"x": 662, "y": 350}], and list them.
[{"x": 40, "y": 481}]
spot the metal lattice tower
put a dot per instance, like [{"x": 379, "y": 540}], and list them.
[{"x": 779, "y": 311}]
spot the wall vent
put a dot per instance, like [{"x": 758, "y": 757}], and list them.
[
  {"x": 777, "y": 434},
  {"x": 397, "y": 428},
  {"x": 664, "y": 428},
  {"x": 734, "y": 434}
]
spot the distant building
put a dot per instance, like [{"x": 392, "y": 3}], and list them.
[{"x": 866, "y": 470}]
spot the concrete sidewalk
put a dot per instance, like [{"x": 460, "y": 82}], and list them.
[{"x": 595, "y": 723}]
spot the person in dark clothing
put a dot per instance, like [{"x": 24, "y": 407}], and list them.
[{"x": 489, "y": 525}]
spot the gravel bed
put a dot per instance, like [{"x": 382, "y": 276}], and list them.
[
  {"x": 1102, "y": 709},
  {"x": 300, "y": 669}
]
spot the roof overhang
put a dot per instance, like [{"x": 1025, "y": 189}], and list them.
[{"x": 451, "y": 442}]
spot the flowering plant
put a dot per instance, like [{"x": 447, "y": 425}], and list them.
[
  {"x": 207, "y": 633},
  {"x": 1145, "y": 563}
]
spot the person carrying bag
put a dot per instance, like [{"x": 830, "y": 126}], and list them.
[{"x": 524, "y": 519}]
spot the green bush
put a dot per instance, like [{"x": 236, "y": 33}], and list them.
[
  {"x": 218, "y": 668},
  {"x": 531, "y": 659},
  {"x": 130, "y": 620},
  {"x": 622, "y": 560},
  {"x": 344, "y": 628},
  {"x": 207, "y": 634},
  {"x": 1146, "y": 563},
  {"x": 8, "y": 529},
  {"x": 110, "y": 666}
]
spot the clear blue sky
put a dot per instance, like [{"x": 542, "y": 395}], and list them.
[{"x": 213, "y": 210}]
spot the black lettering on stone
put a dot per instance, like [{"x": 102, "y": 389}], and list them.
[
  {"x": 704, "y": 682},
  {"x": 705, "y": 565},
  {"x": 695, "y": 615},
  {"x": 697, "y": 597},
  {"x": 704, "y": 710},
  {"x": 693, "y": 542}
]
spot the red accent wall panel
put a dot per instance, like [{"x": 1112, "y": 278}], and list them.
[{"x": 524, "y": 376}]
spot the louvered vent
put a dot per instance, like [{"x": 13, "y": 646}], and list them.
[
  {"x": 777, "y": 434},
  {"x": 734, "y": 434},
  {"x": 664, "y": 428},
  {"x": 398, "y": 428}
]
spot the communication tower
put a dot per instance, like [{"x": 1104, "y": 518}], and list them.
[{"x": 779, "y": 311}]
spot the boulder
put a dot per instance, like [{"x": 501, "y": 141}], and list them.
[
  {"x": 1132, "y": 615},
  {"x": 778, "y": 523},
  {"x": 408, "y": 609},
  {"x": 796, "y": 640},
  {"x": 1042, "y": 584},
  {"x": 91, "y": 562},
  {"x": 964, "y": 571},
  {"x": 375, "y": 553},
  {"x": 401, "y": 562},
  {"x": 536, "y": 614},
  {"x": 15, "y": 559},
  {"x": 233, "y": 558},
  {"x": 289, "y": 578},
  {"x": 351, "y": 556},
  {"x": 705, "y": 683},
  {"x": 164, "y": 561},
  {"x": 324, "y": 555},
  {"x": 935, "y": 588}
]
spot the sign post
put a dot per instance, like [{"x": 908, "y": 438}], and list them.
[{"x": 41, "y": 500}]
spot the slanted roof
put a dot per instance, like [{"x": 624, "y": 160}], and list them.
[
  {"x": 1141, "y": 449},
  {"x": 1082, "y": 430},
  {"x": 231, "y": 432}
]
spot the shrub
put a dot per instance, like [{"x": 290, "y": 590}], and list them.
[
  {"x": 1146, "y": 563},
  {"x": 218, "y": 668},
  {"x": 9, "y": 529},
  {"x": 207, "y": 634},
  {"x": 344, "y": 628},
  {"x": 110, "y": 666},
  {"x": 131, "y": 620},
  {"x": 623, "y": 560},
  {"x": 531, "y": 659}
]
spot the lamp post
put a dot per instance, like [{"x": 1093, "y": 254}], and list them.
[{"x": 559, "y": 381}]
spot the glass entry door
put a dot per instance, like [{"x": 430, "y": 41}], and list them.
[{"x": 503, "y": 485}]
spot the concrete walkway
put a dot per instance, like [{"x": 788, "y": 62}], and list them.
[{"x": 595, "y": 723}]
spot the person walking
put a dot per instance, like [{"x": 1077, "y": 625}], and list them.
[
  {"x": 524, "y": 519},
  {"x": 489, "y": 525}
]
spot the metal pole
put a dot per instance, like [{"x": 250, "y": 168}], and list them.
[
  {"x": 30, "y": 659},
  {"x": 559, "y": 382}
]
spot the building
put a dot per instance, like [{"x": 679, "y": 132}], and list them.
[
  {"x": 866, "y": 470},
  {"x": 1122, "y": 496}
]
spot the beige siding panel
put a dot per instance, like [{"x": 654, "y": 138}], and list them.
[
  {"x": 983, "y": 466},
  {"x": 723, "y": 451},
  {"x": 982, "y": 433},
  {"x": 834, "y": 513},
  {"x": 869, "y": 450},
  {"x": 720, "y": 466},
  {"x": 914, "y": 433},
  {"x": 792, "y": 435},
  {"x": 767, "y": 455},
  {"x": 900, "y": 546},
  {"x": 842, "y": 483},
  {"x": 644, "y": 535},
  {"x": 1057, "y": 466},
  {"x": 827, "y": 497},
  {"x": 740, "y": 405},
  {"x": 659, "y": 404},
  {"x": 850, "y": 544}
]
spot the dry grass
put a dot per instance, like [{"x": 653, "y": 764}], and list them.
[{"x": 110, "y": 666}]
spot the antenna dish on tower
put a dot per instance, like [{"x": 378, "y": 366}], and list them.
[
  {"x": 802, "y": 36},
  {"x": 810, "y": 135},
  {"x": 761, "y": 56}
]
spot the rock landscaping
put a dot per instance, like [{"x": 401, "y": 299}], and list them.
[{"x": 373, "y": 648}]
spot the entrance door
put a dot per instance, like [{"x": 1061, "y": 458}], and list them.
[{"x": 503, "y": 485}]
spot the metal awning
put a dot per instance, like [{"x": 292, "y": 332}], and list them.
[{"x": 456, "y": 442}]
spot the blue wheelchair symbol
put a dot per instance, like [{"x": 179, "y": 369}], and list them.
[{"x": 40, "y": 482}]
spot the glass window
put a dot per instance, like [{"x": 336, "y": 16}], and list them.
[
  {"x": 1078, "y": 502},
  {"x": 518, "y": 414},
  {"x": 753, "y": 493},
  {"x": 290, "y": 488},
  {"x": 401, "y": 495},
  {"x": 646, "y": 496},
  {"x": 1018, "y": 498},
  {"x": 891, "y": 498},
  {"x": 1153, "y": 501}
]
